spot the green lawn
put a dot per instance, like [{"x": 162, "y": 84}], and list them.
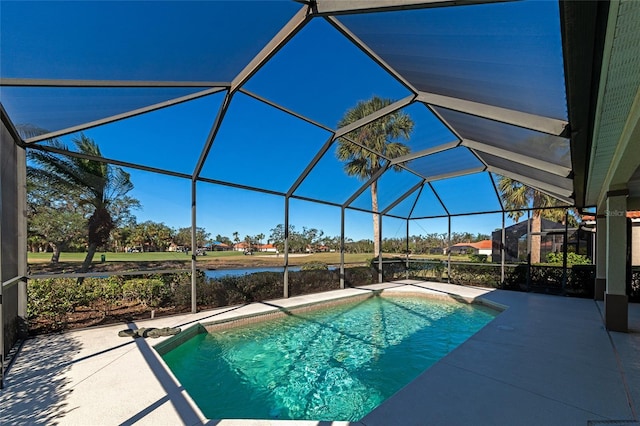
[
  {"x": 215, "y": 256},
  {"x": 128, "y": 257}
]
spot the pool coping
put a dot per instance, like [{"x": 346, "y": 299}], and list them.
[{"x": 521, "y": 368}]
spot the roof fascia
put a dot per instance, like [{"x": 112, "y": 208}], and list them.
[{"x": 583, "y": 27}]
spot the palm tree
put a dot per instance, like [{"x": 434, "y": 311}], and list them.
[
  {"x": 379, "y": 137},
  {"x": 97, "y": 184},
  {"x": 516, "y": 195}
]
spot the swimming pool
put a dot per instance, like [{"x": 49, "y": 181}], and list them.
[{"x": 335, "y": 363}]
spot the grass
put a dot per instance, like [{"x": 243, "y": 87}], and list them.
[
  {"x": 329, "y": 258},
  {"x": 40, "y": 262},
  {"x": 217, "y": 256}
]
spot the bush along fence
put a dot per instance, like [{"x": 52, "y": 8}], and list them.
[
  {"x": 578, "y": 280},
  {"x": 59, "y": 303},
  {"x": 56, "y": 304}
]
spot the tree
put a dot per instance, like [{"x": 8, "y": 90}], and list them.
[
  {"x": 379, "y": 137},
  {"x": 224, "y": 240},
  {"x": 54, "y": 219},
  {"x": 516, "y": 195},
  {"x": 182, "y": 237},
  {"x": 259, "y": 239},
  {"x": 151, "y": 236},
  {"x": 97, "y": 184}
]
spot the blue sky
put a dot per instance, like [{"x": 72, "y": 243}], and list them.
[{"x": 318, "y": 74}]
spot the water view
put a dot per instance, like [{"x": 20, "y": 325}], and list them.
[{"x": 217, "y": 273}]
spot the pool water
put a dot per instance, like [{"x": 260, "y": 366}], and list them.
[{"x": 337, "y": 363}]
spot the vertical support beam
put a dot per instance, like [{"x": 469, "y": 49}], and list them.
[
  {"x": 286, "y": 248},
  {"x": 22, "y": 238},
  {"x": 448, "y": 248},
  {"x": 380, "y": 275},
  {"x": 342, "y": 247},
  {"x": 406, "y": 266},
  {"x": 565, "y": 249},
  {"x": 2, "y": 298},
  {"x": 615, "y": 299},
  {"x": 600, "y": 257},
  {"x": 194, "y": 243},
  {"x": 503, "y": 242},
  {"x": 528, "y": 250}
]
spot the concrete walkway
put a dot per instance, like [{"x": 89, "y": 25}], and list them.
[{"x": 545, "y": 360}]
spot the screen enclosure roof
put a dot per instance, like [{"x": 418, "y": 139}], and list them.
[{"x": 259, "y": 86}]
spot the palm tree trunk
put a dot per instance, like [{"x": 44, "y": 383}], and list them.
[
  {"x": 55, "y": 257},
  {"x": 376, "y": 219},
  {"x": 89, "y": 258},
  {"x": 536, "y": 224}
]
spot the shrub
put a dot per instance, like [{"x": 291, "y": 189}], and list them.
[
  {"x": 51, "y": 299},
  {"x": 572, "y": 259},
  {"x": 151, "y": 292},
  {"x": 360, "y": 275},
  {"x": 314, "y": 266},
  {"x": 488, "y": 276},
  {"x": 478, "y": 258},
  {"x": 433, "y": 269},
  {"x": 109, "y": 290}
]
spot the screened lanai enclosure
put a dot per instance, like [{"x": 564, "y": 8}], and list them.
[{"x": 205, "y": 101}]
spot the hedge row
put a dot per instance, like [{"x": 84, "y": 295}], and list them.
[{"x": 52, "y": 300}]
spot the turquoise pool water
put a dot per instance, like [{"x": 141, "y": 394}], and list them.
[{"x": 337, "y": 363}]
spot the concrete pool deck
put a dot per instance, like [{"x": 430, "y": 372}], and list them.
[{"x": 545, "y": 360}]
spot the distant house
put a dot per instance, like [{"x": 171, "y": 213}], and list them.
[
  {"x": 241, "y": 246},
  {"x": 316, "y": 249},
  {"x": 481, "y": 247},
  {"x": 218, "y": 246},
  {"x": 269, "y": 248},
  {"x": 516, "y": 246}
]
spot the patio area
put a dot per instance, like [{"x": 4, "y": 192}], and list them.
[{"x": 544, "y": 360}]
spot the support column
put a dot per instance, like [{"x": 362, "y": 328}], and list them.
[
  {"x": 449, "y": 248},
  {"x": 342, "y": 248},
  {"x": 194, "y": 246},
  {"x": 601, "y": 257},
  {"x": 503, "y": 242},
  {"x": 21, "y": 162},
  {"x": 406, "y": 266},
  {"x": 286, "y": 248},
  {"x": 380, "y": 266},
  {"x": 615, "y": 298}
]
